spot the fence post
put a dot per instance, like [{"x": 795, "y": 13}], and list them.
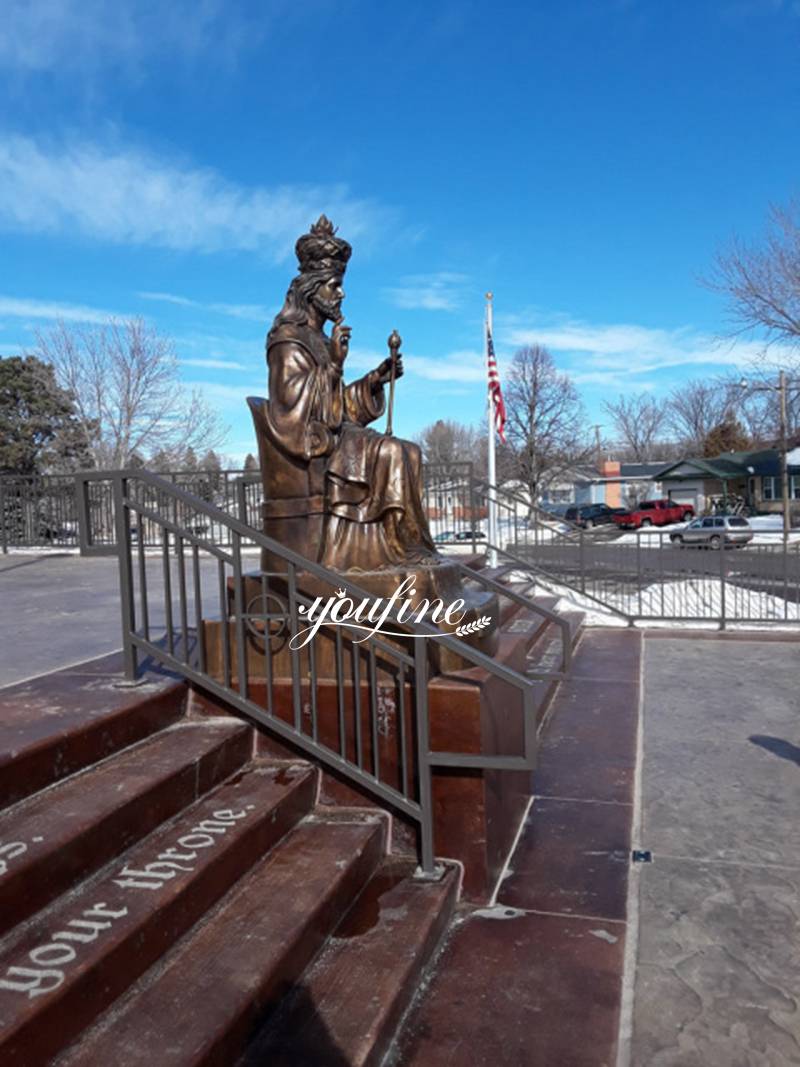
[
  {"x": 472, "y": 516},
  {"x": 582, "y": 562},
  {"x": 722, "y": 577},
  {"x": 785, "y": 578},
  {"x": 84, "y": 521},
  {"x": 241, "y": 500},
  {"x": 3, "y": 531},
  {"x": 427, "y": 860},
  {"x": 123, "y": 538}
]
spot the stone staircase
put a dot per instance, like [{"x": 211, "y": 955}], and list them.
[{"x": 168, "y": 897}]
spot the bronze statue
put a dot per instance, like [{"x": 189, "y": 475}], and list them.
[{"x": 337, "y": 491}]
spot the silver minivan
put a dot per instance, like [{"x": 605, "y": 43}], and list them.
[{"x": 714, "y": 531}]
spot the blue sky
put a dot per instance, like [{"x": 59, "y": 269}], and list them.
[{"x": 583, "y": 159}]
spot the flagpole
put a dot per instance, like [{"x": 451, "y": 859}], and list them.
[{"x": 491, "y": 473}]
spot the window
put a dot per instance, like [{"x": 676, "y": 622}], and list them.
[
  {"x": 719, "y": 522},
  {"x": 794, "y": 486},
  {"x": 736, "y": 521},
  {"x": 770, "y": 488},
  {"x": 707, "y": 523}
]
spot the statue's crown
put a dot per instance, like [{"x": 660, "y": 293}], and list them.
[{"x": 321, "y": 249}]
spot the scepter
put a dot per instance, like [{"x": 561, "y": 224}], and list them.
[{"x": 394, "y": 343}]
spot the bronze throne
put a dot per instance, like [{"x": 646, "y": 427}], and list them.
[{"x": 293, "y": 511}]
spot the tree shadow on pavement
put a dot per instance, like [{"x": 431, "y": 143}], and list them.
[{"x": 777, "y": 747}]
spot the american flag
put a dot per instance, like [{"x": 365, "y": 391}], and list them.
[{"x": 495, "y": 392}]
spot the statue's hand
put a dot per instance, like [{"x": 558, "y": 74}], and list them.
[
  {"x": 340, "y": 343},
  {"x": 384, "y": 370}
]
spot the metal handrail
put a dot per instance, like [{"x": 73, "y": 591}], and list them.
[
  {"x": 413, "y": 794},
  {"x": 518, "y": 598},
  {"x": 502, "y": 495}
]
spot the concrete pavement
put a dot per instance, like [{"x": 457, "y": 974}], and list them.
[
  {"x": 716, "y": 974},
  {"x": 717, "y": 981}
]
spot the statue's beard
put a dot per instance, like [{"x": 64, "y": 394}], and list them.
[{"x": 331, "y": 309}]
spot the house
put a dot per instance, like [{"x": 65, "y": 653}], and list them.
[
  {"x": 614, "y": 483},
  {"x": 753, "y": 476}
]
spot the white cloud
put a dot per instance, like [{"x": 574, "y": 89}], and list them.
[
  {"x": 51, "y": 311},
  {"x": 625, "y": 349},
  {"x": 257, "y": 312},
  {"x": 215, "y": 364},
  {"x": 131, "y": 197},
  {"x": 209, "y": 346},
  {"x": 442, "y": 291},
  {"x": 87, "y": 35},
  {"x": 463, "y": 366}
]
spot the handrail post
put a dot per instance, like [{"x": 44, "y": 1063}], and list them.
[
  {"x": 84, "y": 520},
  {"x": 3, "y": 517},
  {"x": 472, "y": 516},
  {"x": 123, "y": 539},
  {"x": 722, "y": 577},
  {"x": 427, "y": 861}
]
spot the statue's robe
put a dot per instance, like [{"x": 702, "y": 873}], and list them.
[{"x": 373, "y": 483}]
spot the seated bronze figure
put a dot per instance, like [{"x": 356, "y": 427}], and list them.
[{"x": 334, "y": 490}]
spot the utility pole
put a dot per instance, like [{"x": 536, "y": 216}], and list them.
[
  {"x": 784, "y": 458},
  {"x": 598, "y": 447},
  {"x": 780, "y": 389}
]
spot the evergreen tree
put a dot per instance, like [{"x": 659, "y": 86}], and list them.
[
  {"x": 39, "y": 430},
  {"x": 727, "y": 436}
]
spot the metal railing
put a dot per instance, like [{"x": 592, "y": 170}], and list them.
[
  {"x": 645, "y": 576},
  {"x": 361, "y": 709},
  {"x": 77, "y": 510}
]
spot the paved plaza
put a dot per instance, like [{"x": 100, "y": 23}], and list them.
[
  {"x": 713, "y": 973},
  {"x": 718, "y": 969}
]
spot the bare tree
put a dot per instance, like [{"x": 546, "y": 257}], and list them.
[
  {"x": 761, "y": 282},
  {"x": 696, "y": 408},
  {"x": 638, "y": 420},
  {"x": 547, "y": 426},
  {"x": 128, "y": 395},
  {"x": 445, "y": 441}
]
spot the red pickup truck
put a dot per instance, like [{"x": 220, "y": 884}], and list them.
[{"x": 654, "y": 513}]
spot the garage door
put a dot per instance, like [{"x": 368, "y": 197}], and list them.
[{"x": 684, "y": 496}]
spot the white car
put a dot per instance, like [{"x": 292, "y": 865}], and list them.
[{"x": 715, "y": 531}]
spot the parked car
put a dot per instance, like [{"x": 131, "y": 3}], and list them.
[
  {"x": 558, "y": 511},
  {"x": 467, "y": 535},
  {"x": 445, "y": 537},
  {"x": 654, "y": 513},
  {"x": 715, "y": 532},
  {"x": 590, "y": 515}
]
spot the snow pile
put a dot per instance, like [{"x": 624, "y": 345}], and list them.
[{"x": 697, "y": 601}]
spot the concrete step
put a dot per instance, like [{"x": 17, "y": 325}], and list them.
[
  {"x": 55, "y": 838},
  {"x": 54, "y": 726},
  {"x": 61, "y": 970},
  {"x": 351, "y": 1001},
  {"x": 546, "y": 656},
  {"x": 208, "y": 997}
]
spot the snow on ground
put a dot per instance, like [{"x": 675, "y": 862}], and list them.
[
  {"x": 698, "y": 601},
  {"x": 768, "y": 530}
]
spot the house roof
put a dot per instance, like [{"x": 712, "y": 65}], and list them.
[
  {"x": 640, "y": 470},
  {"x": 765, "y": 461}
]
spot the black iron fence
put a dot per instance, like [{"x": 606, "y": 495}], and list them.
[
  {"x": 77, "y": 511},
  {"x": 647, "y": 577},
  {"x": 357, "y": 703},
  {"x": 639, "y": 576}
]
